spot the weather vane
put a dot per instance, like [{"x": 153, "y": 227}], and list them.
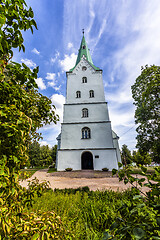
[{"x": 83, "y": 31}]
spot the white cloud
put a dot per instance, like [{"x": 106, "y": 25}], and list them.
[
  {"x": 57, "y": 88},
  {"x": 58, "y": 100},
  {"x": 70, "y": 45},
  {"x": 40, "y": 83},
  {"x": 51, "y": 131},
  {"x": 68, "y": 62},
  {"x": 52, "y": 79},
  {"x": 35, "y": 51},
  {"x": 52, "y": 84},
  {"x": 56, "y": 56},
  {"x": 28, "y": 62},
  {"x": 51, "y": 76},
  {"x": 119, "y": 97},
  {"x": 44, "y": 143}
]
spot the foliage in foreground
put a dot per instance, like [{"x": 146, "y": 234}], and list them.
[
  {"x": 22, "y": 111},
  {"x": 139, "y": 218},
  {"x": 85, "y": 213}
]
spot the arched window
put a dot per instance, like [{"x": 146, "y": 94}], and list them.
[
  {"x": 84, "y": 80},
  {"x": 86, "y": 133},
  {"x": 78, "y": 94},
  {"x": 84, "y": 112},
  {"x": 91, "y": 93}
]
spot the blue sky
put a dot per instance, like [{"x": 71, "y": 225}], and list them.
[{"x": 122, "y": 35}]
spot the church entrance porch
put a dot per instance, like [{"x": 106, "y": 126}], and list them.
[{"x": 87, "y": 160}]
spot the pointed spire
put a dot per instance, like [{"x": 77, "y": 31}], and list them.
[{"x": 84, "y": 52}]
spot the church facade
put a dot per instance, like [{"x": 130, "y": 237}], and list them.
[{"x": 86, "y": 140}]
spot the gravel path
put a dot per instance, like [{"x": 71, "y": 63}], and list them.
[{"x": 93, "y": 179}]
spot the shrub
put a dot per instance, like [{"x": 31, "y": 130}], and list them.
[
  {"x": 52, "y": 166},
  {"x": 105, "y": 169},
  {"x": 68, "y": 169}
]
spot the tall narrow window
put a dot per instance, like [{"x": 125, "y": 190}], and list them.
[
  {"x": 84, "y": 80},
  {"x": 78, "y": 94},
  {"x": 86, "y": 133},
  {"x": 91, "y": 93},
  {"x": 84, "y": 112}
]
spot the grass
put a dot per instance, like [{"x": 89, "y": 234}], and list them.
[
  {"x": 85, "y": 213},
  {"x": 26, "y": 173},
  {"x": 137, "y": 170},
  {"x": 50, "y": 170}
]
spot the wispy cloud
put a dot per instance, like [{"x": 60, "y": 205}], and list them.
[
  {"x": 70, "y": 45},
  {"x": 40, "y": 83},
  {"x": 28, "y": 62},
  {"x": 51, "y": 76},
  {"x": 35, "y": 51},
  {"x": 56, "y": 56}
]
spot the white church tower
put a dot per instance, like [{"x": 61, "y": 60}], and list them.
[{"x": 86, "y": 140}]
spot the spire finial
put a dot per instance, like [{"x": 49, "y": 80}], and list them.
[{"x": 83, "y": 31}]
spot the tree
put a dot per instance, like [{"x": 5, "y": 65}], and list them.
[
  {"x": 146, "y": 94},
  {"x": 22, "y": 111},
  {"x": 54, "y": 153},
  {"x": 45, "y": 156},
  {"x": 34, "y": 154},
  {"x": 126, "y": 155},
  {"x": 141, "y": 159}
]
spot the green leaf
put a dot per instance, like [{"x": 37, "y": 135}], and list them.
[
  {"x": 119, "y": 164},
  {"x": 137, "y": 197},
  {"x": 47, "y": 235},
  {"x": 106, "y": 236},
  {"x": 158, "y": 220},
  {"x": 1, "y": 172},
  {"x": 35, "y": 236},
  {"x": 144, "y": 169},
  {"x": 114, "y": 171},
  {"x": 126, "y": 180},
  {"x": 2, "y": 20},
  {"x": 138, "y": 233},
  {"x": 114, "y": 225}
]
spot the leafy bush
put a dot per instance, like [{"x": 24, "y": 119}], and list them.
[
  {"x": 18, "y": 126},
  {"x": 52, "y": 166},
  {"x": 140, "y": 217},
  {"x": 105, "y": 169},
  {"x": 68, "y": 169}
]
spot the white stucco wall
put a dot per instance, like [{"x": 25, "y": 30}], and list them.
[
  {"x": 97, "y": 112},
  {"x": 72, "y": 159},
  {"x": 101, "y": 136},
  {"x": 94, "y": 82}
]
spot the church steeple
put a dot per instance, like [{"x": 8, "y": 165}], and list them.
[{"x": 84, "y": 52}]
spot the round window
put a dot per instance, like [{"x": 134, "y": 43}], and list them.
[{"x": 84, "y": 68}]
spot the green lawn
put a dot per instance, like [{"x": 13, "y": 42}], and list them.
[{"x": 138, "y": 170}]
